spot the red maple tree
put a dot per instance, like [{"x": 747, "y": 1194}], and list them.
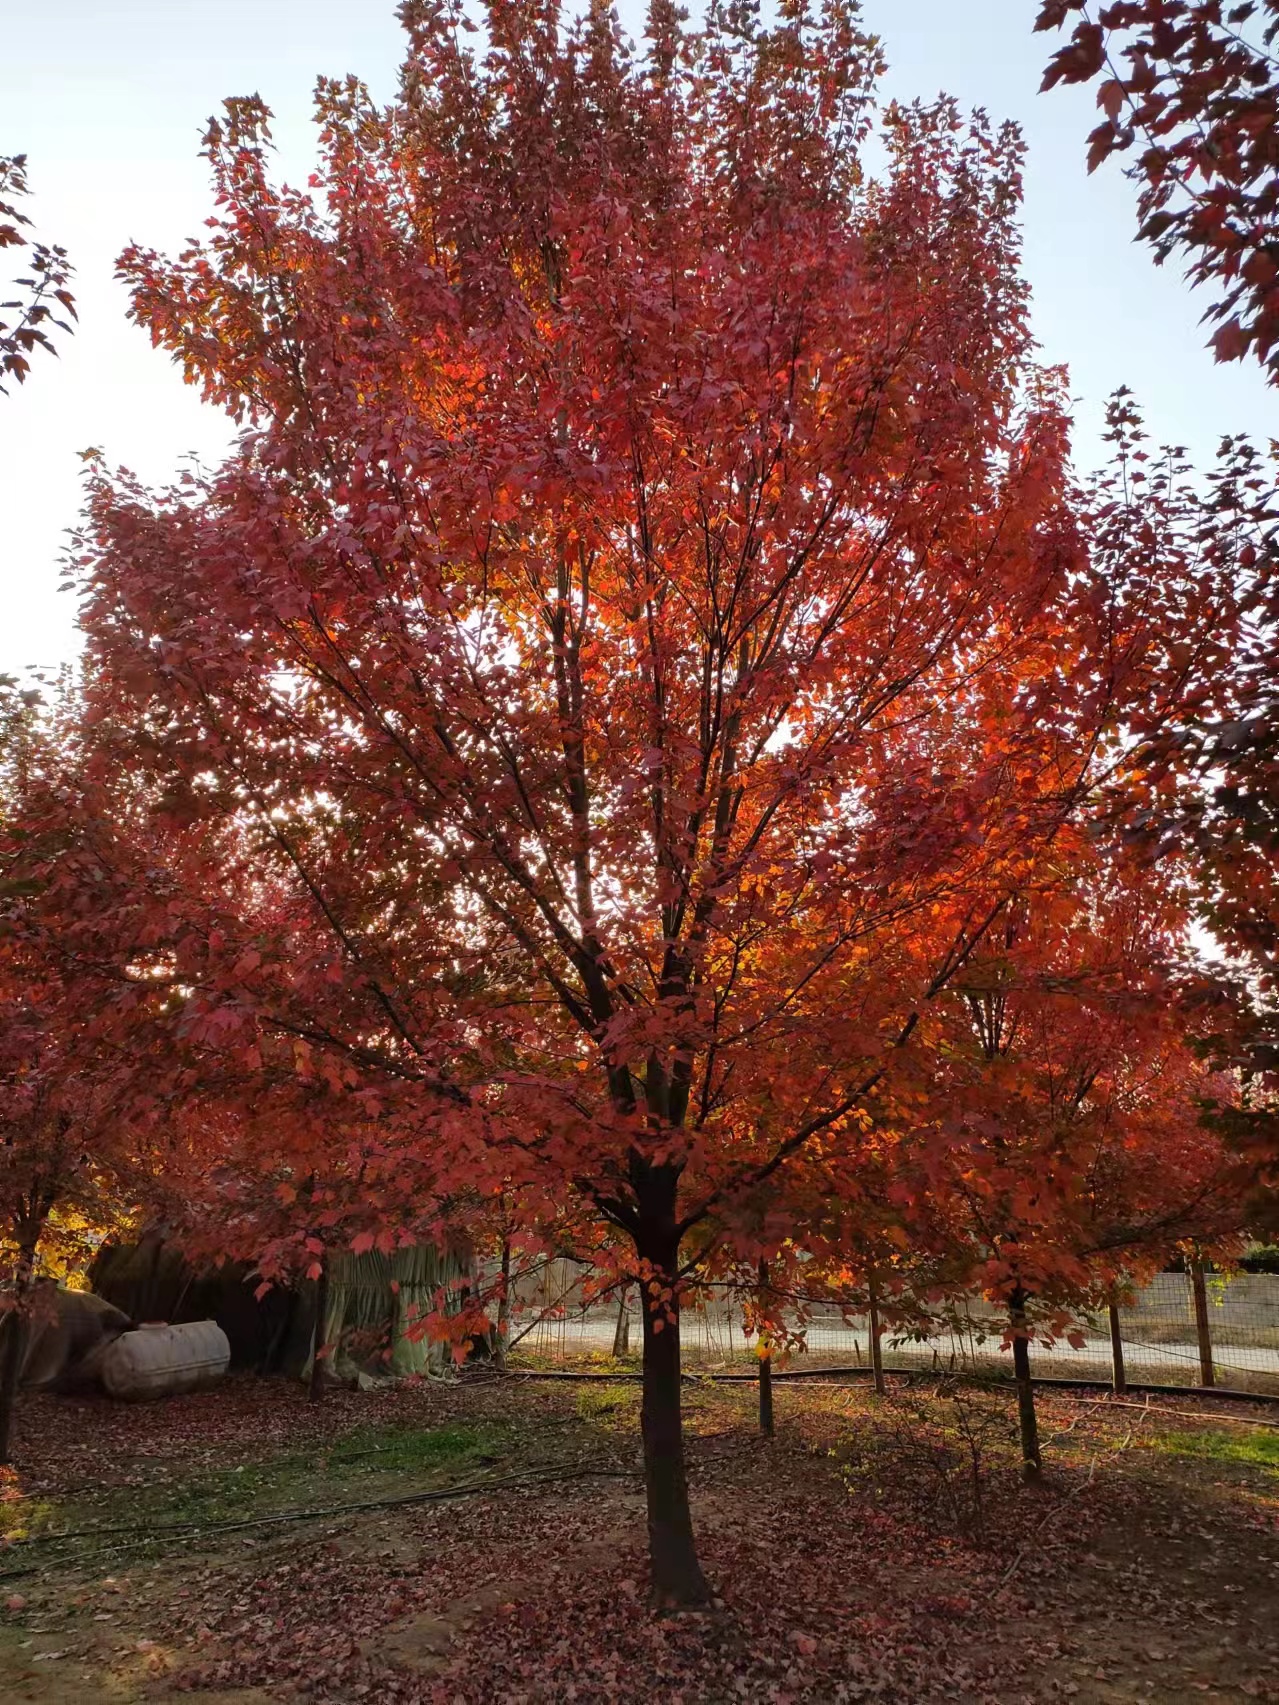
[
  {"x": 1071, "y": 1151},
  {"x": 46, "y": 303},
  {"x": 1190, "y": 88},
  {"x": 646, "y": 607},
  {"x": 73, "y": 964}
]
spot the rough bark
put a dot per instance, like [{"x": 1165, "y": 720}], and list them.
[{"x": 1027, "y": 1421}]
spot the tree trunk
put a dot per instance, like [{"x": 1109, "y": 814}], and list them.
[
  {"x": 1120, "y": 1379},
  {"x": 765, "y": 1370},
  {"x": 766, "y": 1393},
  {"x": 10, "y": 1368},
  {"x": 503, "y": 1335},
  {"x": 622, "y": 1331},
  {"x": 274, "y": 1350},
  {"x": 14, "y": 1342},
  {"x": 678, "y": 1581},
  {"x": 1207, "y": 1373},
  {"x": 876, "y": 1349},
  {"x": 315, "y": 1390},
  {"x": 1031, "y": 1462}
]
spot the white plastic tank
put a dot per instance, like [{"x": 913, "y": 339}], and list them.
[{"x": 165, "y": 1361}]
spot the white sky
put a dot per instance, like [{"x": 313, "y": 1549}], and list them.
[{"x": 108, "y": 99}]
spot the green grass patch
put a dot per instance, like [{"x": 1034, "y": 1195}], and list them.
[
  {"x": 579, "y": 1361},
  {"x": 416, "y": 1450},
  {"x": 597, "y": 1402},
  {"x": 340, "y": 1472},
  {"x": 407, "y": 1452},
  {"x": 1259, "y": 1449},
  {"x": 367, "y": 1464},
  {"x": 21, "y": 1516}
]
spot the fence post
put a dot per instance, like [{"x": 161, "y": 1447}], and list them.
[
  {"x": 1119, "y": 1378},
  {"x": 1199, "y": 1291},
  {"x": 876, "y": 1353}
]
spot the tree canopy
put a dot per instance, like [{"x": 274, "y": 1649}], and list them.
[{"x": 625, "y": 752}]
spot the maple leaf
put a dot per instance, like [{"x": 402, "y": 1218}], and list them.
[{"x": 1230, "y": 342}]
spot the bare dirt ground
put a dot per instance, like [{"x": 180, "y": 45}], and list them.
[{"x": 244, "y": 1547}]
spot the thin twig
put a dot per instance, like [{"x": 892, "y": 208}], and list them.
[{"x": 1075, "y": 1490}]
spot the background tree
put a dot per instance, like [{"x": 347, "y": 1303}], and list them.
[
  {"x": 45, "y": 293},
  {"x": 1073, "y": 1151},
  {"x": 1204, "y": 789},
  {"x": 70, "y": 1157},
  {"x": 1191, "y": 89}
]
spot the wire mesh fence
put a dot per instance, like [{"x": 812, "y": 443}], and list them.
[{"x": 1190, "y": 1328}]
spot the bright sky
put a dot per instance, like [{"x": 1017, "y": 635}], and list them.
[{"x": 108, "y": 99}]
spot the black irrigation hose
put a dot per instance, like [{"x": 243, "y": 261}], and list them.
[
  {"x": 1231, "y": 1393},
  {"x": 553, "y": 1474},
  {"x": 835, "y": 1375},
  {"x": 705, "y": 1378}
]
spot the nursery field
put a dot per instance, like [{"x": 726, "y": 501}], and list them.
[
  {"x": 688, "y": 780},
  {"x": 484, "y": 1541}
]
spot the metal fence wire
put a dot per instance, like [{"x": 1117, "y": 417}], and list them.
[{"x": 1184, "y": 1328}]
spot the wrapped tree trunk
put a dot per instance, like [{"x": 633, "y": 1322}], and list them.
[{"x": 1027, "y": 1421}]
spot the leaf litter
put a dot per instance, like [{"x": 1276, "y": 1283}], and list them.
[{"x": 1146, "y": 1569}]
